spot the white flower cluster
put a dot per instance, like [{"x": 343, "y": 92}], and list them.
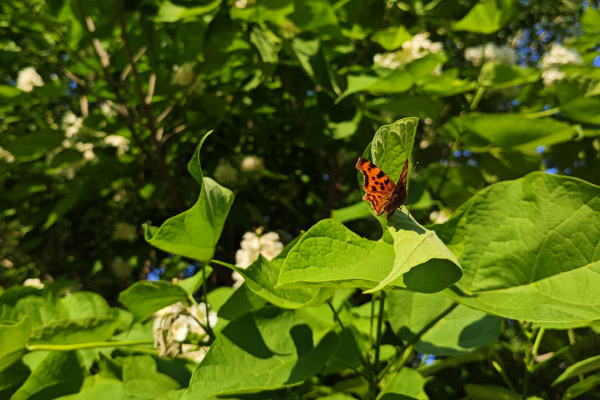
[
  {"x": 184, "y": 76},
  {"x": 477, "y": 55},
  {"x": 251, "y": 164},
  {"x": 121, "y": 143},
  {"x": 107, "y": 109},
  {"x": 243, "y": 3},
  {"x": 73, "y": 125},
  {"x": 34, "y": 282},
  {"x": 28, "y": 78},
  {"x": 558, "y": 55},
  {"x": 251, "y": 246},
  {"x": 6, "y": 155},
  {"x": 172, "y": 325},
  {"x": 418, "y": 47}
]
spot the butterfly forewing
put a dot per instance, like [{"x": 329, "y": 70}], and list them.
[
  {"x": 380, "y": 191},
  {"x": 377, "y": 185}
]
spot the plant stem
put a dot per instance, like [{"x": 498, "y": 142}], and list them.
[
  {"x": 379, "y": 331},
  {"x": 544, "y": 113},
  {"x": 477, "y": 98},
  {"x": 564, "y": 350},
  {"x": 78, "y": 346}
]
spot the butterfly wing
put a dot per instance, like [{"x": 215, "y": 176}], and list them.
[
  {"x": 399, "y": 194},
  {"x": 377, "y": 185}
]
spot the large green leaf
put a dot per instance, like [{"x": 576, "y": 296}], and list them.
[
  {"x": 583, "y": 110},
  {"x": 421, "y": 260},
  {"x": 59, "y": 373},
  {"x": 261, "y": 278},
  {"x": 529, "y": 249},
  {"x": 14, "y": 340},
  {"x": 481, "y": 132},
  {"x": 405, "y": 382},
  {"x": 579, "y": 368},
  {"x": 97, "y": 387},
  {"x": 462, "y": 330},
  {"x": 145, "y": 297},
  {"x": 392, "y": 38},
  {"x": 498, "y": 76},
  {"x": 195, "y": 232},
  {"x": 394, "y": 81},
  {"x": 141, "y": 379},
  {"x": 170, "y": 12},
  {"x": 487, "y": 16},
  {"x": 31, "y": 146},
  {"x": 265, "y": 349},
  {"x": 72, "y": 331}
]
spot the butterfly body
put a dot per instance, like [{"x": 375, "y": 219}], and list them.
[{"x": 380, "y": 190}]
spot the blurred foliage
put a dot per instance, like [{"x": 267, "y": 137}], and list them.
[{"x": 102, "y": 105}]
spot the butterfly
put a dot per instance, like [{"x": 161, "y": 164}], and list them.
[{"x": 384, "y": 195}]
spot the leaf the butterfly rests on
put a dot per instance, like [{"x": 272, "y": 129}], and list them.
[{"x": 380, "y": 191}]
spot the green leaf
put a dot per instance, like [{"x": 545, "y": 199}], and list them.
[
  {"x": 264, "y": 10},
  {"x": 8, "y": 92},
  {"x": 421, "y": 261},
  {"x": 330, "y": 255},
  {"x": 487, "y": 16},
  {"x": 394, "y": 81},
  {"x": 579, "y": 388},
  {"x": 461, "y": 331},
  {"x": 32, "y": 146},
  {"x": 579, "y": 368},
  {"x": 73, "y": 331},
  {"x": 98, "y": 388},
  {"x": 490, "y": 392},
  {"x": 350, "y": 213},
  {"x": 195, "y": 232},
  {"x": 406, "y": 382},
  {"x": 527, "y": 250},
  {"x": 266, "y": 349},
  {"x": 169, "y": 12},
  {"x": 314, "y": 63},
  {"x": 499, "y": 76},
  {"x": 13, "y": 337},
  {"x": 141, "y": 379},
  {"x": 392, "y": 145},
  {"x": 145, "y": 297},
  {"x": 261, "y": 278},
  {"x": 392, "y": 38},
  {"x": 583, "y": 110},
  {"x": 193, "y": 283},
  {"x": 65, "y": 204},
  {"x": 482, "y": 132},
  {"x": 59, "y": 373},
  {"x": 448, "y": 84}
]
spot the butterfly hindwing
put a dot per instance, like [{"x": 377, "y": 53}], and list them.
[
  {"x": 380, "y": 191},
  {"x": 377, "y": 185}
]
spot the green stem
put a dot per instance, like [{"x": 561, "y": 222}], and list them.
[
  {"x": 565, "y": 349},
  {"x": 379, "y": 331},
  {"x": 78, "y": 346},
  {"x": 477, "y": 98},
  {"x": 544, "y": 113},
  {"x": 536, "y": 344}
]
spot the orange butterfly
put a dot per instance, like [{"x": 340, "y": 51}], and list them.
[{"x": 384, "y": 195}]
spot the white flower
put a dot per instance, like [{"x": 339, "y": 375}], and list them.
[
  {"x": 438, "y": 217},
  {"x": 184, "y": 76},
  {"x": 35, "y": 282},
  {"x": 28, "y": 78},
  {"x": 418, "y": 47},
  {"x": 6, "y": 155},
  {"x": 491, "y": 52},
  {"x": 107, "y": 109},
  {"x": 172, "y": 325},
  {"x": 124, "y": 231},
  {"x": 552, "y": 75},
  {"x": 71, "y": 124},
  {"x": 560, "y": 55},
  {"x": 251, "y": 164},
  {"x": 86, "y": 149},
  {"x": 225, "y": 174},
  {"x": 268, "y": 245},
  {"x": 121, "y": 143},
  {"x": 243, "y": 3}
]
